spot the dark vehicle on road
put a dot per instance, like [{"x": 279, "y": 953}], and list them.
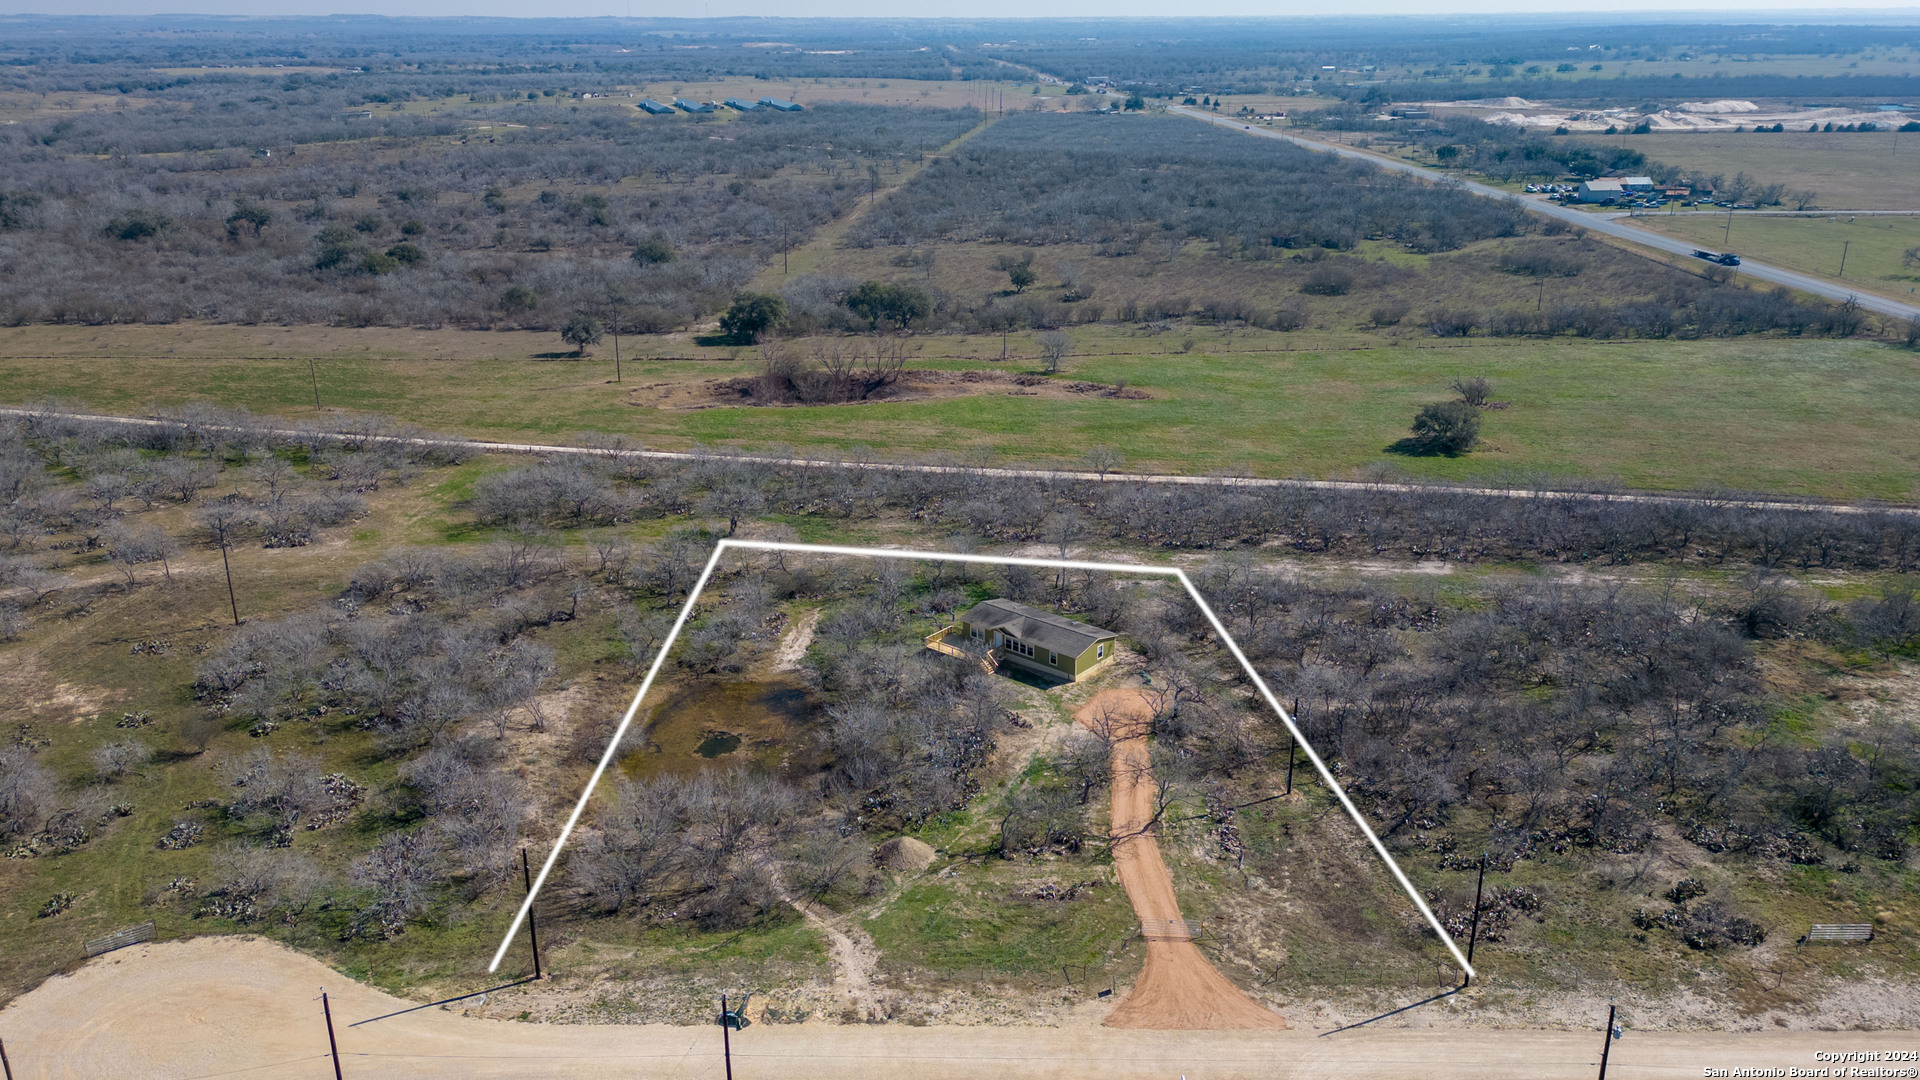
[{"x": 1723, "y": 258}]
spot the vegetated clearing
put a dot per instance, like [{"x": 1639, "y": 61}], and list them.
[
  {"x": 1816, "y": 417},
  {"x": 1874, "y": 246},
  {"x": 371, "y": 652},
  {"x": 1848, "y": 170}
]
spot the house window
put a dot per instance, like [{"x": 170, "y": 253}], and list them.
[
  {"x": 976, "y": 633},
  {"x": 1054, "y": 659},
  {"x": 1100, "y": 652},
  {"x": 1019, "y": 647}
]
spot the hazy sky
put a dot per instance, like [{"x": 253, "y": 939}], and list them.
[{"x": 895, "y": 9}]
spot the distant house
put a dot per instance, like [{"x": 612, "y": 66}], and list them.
[
  {"x": 1031, "y": 639},
  {"x": 648, "y": 105},
  {"x": 693, "y": 106},
  {"x": 740, "y": 106},
  {"x": 1409, "y": 114},
  {"x": 1600, "y": 191},
  {"x": 780, "y": 104}
]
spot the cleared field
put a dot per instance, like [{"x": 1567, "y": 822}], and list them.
[
  {"x": 1873, "y": 246},
  {"x": 1805, "y": 416},
  {"x": 1848, "y": 170}
]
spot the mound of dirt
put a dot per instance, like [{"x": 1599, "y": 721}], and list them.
[{"x": 903, "y": 853}]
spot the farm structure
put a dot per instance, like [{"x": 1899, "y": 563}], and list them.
[
  {"x": 1031, "y": 639},
  {"x": 1594, "y": 191}
]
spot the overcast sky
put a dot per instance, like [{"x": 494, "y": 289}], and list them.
[{"x": 1775, "y": 9}]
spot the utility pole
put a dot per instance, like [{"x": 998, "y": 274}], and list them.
[
  {"x": 1726, "y": 233},
  {"x": 616, "y": 343},
  {"x": 533, "y": 932},
  {"x": 786, "y": 245},
  {"x": 313, "y": 372},
  {"x": 4, "y": 1063},
  {"x": 1473, "y": 934},
  {"x": 333, "y": 1046},
  {"x": 726, "y": 1040},
  {"x": 228, "y": 567},
  {"x": 1844, "y": 245},
  {"x": 1293, "y": 752},
  {"x": 1606, "y": 1044}
]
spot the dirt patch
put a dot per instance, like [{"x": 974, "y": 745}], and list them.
[
  {"x": 1178, "y": 988},
  {"x": 793, "y": 647},
  {"x": 913, "y": 385}
]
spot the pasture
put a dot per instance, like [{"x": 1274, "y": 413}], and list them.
[{"x": 1839, "y": 419}]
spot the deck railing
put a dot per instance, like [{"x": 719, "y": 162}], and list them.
[{"x": 937, "y": 641}]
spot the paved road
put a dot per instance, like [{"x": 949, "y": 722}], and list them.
[
  {"x": 557, "y": 450},
  {"x": 1617, "y": 228}
]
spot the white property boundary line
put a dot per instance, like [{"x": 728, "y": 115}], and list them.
[{"x": 686, "y": 610}]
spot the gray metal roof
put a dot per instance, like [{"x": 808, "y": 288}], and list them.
[{"x": 1036, "y": 627}]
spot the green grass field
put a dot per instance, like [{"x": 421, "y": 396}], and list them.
[
  {"x": 1802, "y": 416},
  {"x": 1814, "y": 244}
]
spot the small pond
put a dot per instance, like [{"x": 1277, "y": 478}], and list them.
[{"x": 704, "y": 724}]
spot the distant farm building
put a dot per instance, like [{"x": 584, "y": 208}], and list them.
[
  {"x": 1600, "y": 191},
  {"x": 740, "y": 106},
  {"x": 1637, "y": 183},
  {"x": 1028, "y": 638},
  {"x": 648, "y": 105},
  {"x": 693, "y": 106},
  {"x": 780, "y": 104}
]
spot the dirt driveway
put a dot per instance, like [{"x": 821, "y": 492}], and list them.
[
  {"x": 240, "y": 1007},
  {"x": 1178, "y": 988}
]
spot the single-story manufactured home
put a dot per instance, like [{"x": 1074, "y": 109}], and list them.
[{"x": 1033, "y": 640}]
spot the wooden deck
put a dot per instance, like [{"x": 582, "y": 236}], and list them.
[{"x": 937, "y": 641}]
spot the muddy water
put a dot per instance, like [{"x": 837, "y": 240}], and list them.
[{"x": 763, "y": 725}]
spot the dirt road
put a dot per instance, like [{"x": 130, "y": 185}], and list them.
[
  {"x": 1178, "y": 988},
  {"x": 237, "y": 1007}
]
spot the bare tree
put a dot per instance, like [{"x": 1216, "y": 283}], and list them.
[
  {"x": 116, "y": 759},
  {"x": 1054, "y": 347},
  {"x": 132, "y": 546},
  {"x": 1103, "y": 460},
  {"x": 1473, "y": 390},
  {"x": 398, "y": 874},
  {"x": 28, "y": 792}
]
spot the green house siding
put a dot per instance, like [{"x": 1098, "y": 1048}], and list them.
[{"x": 1044, "y": 661}]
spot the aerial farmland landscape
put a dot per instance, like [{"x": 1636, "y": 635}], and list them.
[{"x": 999, "y": 543}]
